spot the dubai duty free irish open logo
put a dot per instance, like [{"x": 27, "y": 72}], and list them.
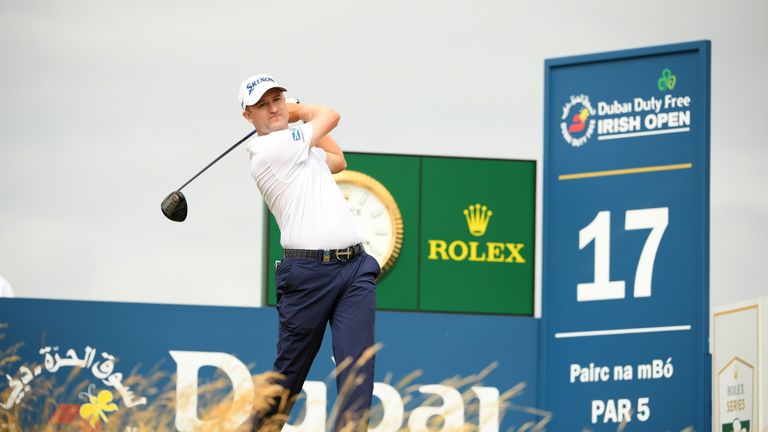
[{"x": 578, "y": 120}]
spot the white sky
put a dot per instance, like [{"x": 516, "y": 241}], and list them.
[{"x": 105, "y": 107}]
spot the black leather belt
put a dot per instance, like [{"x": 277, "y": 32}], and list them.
[{"x": 325, "y": 255}]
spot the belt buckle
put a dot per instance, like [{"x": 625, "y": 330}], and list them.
[{"x": 344, "y": 252}]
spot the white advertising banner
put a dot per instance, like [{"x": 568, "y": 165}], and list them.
[{"x": 739, "y": 367}]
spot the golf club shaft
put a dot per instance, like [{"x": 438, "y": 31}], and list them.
[{"x": 217, "y": 159}]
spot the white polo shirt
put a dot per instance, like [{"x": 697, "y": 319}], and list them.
[{"x": 300, "y": 191}]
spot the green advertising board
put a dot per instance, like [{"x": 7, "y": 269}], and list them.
[{"x": 468, "y": 231}]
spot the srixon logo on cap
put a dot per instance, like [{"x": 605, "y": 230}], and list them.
[{"x": 253, "y": 84}]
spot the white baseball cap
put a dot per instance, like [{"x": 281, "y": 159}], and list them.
[{"x": 253, "y": 88}]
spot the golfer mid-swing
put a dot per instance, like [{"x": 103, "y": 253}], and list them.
[{"x": 325, "y": 275}]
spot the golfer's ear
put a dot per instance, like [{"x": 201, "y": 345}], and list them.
[{"x": 247, "y": 115}]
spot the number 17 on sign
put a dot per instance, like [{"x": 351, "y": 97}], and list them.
[{"x": 599, "y": 232}]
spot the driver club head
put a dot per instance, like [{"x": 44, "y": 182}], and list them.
[{"x": 174, "y": 206}]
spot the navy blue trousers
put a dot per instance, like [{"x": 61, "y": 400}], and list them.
[{"x": 311, "y": 294}]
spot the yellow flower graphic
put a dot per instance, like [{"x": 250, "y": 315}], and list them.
[{"x": 96, "y": 406}]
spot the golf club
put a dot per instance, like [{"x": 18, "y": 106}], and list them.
[{"x": 174, "y": 206}]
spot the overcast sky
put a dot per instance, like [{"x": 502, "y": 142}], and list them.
[{"x": 106, "y": 107}]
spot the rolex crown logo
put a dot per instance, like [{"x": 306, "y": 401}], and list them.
[{"x": 477, "y": 219}]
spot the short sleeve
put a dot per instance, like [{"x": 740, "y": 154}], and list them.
[
  {"x": 318, "y": 152},
  {"x": 300, "y": 138}
]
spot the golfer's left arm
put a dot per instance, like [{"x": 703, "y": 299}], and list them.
[
  {"x": 323, "y": 120},
  {"x": 334, "y": 156}
]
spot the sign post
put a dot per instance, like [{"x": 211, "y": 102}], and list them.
[{"x": 626, "y": 240}]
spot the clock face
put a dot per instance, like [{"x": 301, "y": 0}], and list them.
[{"x": 376, "y": 214}]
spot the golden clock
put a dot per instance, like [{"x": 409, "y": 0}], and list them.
[{"x": 376, "y": 213}]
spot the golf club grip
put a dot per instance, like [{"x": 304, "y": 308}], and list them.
[{"x": 217, "y": 159}]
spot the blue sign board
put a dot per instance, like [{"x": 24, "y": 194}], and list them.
[
  {"x": 146, "y": 368},
  {"x": 626, "y": 240}
]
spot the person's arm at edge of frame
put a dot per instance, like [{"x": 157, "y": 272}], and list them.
[{"x": 323, "y": 120}]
